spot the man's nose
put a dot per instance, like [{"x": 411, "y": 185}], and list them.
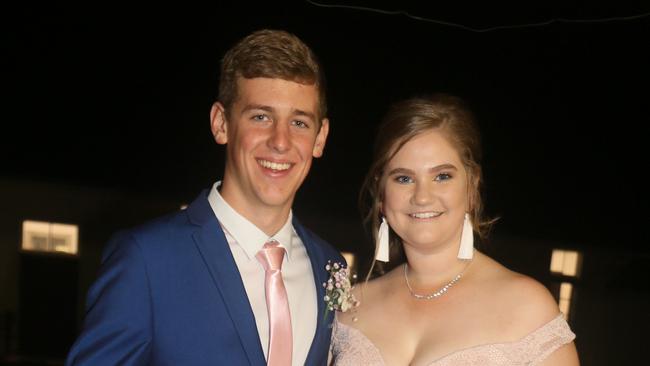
[{"x": 280, "y": 138}]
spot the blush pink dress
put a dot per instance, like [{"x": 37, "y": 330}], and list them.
[{"x": 351, "y": 347}]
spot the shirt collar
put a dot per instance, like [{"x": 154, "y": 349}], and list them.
[{"x": 245, "y": 233}]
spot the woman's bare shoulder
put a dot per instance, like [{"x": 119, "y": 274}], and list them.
[{"x": 523, "y": 299}]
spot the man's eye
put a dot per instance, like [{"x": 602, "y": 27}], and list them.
[
  {"x": 443, "y": 177},
  {"x": 260, "y": 117},
  {"x": 403, "y": 179},
  {"x": 300, "y": 124}
]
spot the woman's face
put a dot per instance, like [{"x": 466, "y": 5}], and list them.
[{"x": 425, "y": 195}]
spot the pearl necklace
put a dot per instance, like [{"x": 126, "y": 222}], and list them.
[{"x": 436, "y": 294}]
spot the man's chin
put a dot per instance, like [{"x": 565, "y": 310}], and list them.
[{"x": 276, "y": 198}]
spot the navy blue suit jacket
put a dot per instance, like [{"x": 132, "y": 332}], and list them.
[{"x": 169, "y": 293}]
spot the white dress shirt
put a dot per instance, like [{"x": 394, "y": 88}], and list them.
[{"x": 245, "y": 240}]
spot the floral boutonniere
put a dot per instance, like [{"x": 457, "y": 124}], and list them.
[{"x": 338, "y": 289}]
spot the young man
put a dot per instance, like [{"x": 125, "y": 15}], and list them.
[{"x": 200, "y": 287}]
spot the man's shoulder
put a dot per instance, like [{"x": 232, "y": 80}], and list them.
[
  {"x": 169, "y": 227},
  {"x": 160, "y": 227},
  {"x": 328, "y": 249},
  {"x": 172, "y": 231},
  {"x": 164, "y": 226}
]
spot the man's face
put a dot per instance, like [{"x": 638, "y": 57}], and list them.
[{"x": 272, "y": 133}]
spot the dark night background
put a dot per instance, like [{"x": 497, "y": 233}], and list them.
[{"x": 117, "y": 98}]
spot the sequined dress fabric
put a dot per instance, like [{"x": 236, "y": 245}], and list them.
[{"x": 351, "y": 347}]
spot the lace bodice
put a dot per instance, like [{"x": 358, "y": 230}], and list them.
[{"x": 351, "y": 347}]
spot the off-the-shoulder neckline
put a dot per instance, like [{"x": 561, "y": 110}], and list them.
[{"x": 559, "y": 317}]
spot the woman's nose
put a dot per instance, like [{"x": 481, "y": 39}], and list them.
[{"x": 423, "y": 193}]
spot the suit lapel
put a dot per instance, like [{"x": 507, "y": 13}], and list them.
[
  {"x": 323, "y": 326},
  {"x": 211, "y": 243}
]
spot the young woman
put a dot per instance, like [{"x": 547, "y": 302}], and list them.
[{"x": 448, "y": 304}]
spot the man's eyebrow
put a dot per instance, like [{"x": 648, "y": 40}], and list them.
[
  {"x": 269, "y": 109},
  {"x": 250, "y": 107},
  {"x": 300, "y": 112}
]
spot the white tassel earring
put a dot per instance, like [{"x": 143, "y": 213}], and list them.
[
  {"x": 466, "y": 250},
  {"x": 382, "y": 242}
]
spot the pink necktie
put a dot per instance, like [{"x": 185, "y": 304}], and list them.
[{"x": 280, "y": 342}]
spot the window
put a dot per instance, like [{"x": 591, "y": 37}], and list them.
[
  {"x": 566, "y": 262},
  {"x": 566, "y": 290},
  {"x": 39, "y": 236},
  {"x": 566, "y": 265}
]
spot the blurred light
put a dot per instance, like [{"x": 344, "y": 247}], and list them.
[
  {"x": 566, "y": 291},
  {"x": 39, "y": 236},
  {"x": 557, "y": 261},
  {"x": 566, "y": 262},
  {"x": 349, "y": 257},
  {"x": 570, "y": 263}
]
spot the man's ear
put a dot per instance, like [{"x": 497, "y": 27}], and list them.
[
  {"x": 321, "y": 138},
  {"x": 218, "y": 123}
]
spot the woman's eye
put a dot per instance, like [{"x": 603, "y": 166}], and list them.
[
  {"x": 403, "y": 179},
  {"x": 443, "y": 177}
]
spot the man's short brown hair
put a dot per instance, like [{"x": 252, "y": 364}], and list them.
[{"x": 271, "y": 54}]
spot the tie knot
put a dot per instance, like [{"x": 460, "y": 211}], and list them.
[{"x": 271, "y": 256}]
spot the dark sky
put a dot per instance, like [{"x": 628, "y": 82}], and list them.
[{"x": 119, "y": 97}]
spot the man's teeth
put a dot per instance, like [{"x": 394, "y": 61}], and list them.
[
  {"x": 425, "y": 215},
  {"x": 274, "y": 166}
]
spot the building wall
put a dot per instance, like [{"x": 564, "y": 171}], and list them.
[{"x": 97, "y": 212}]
